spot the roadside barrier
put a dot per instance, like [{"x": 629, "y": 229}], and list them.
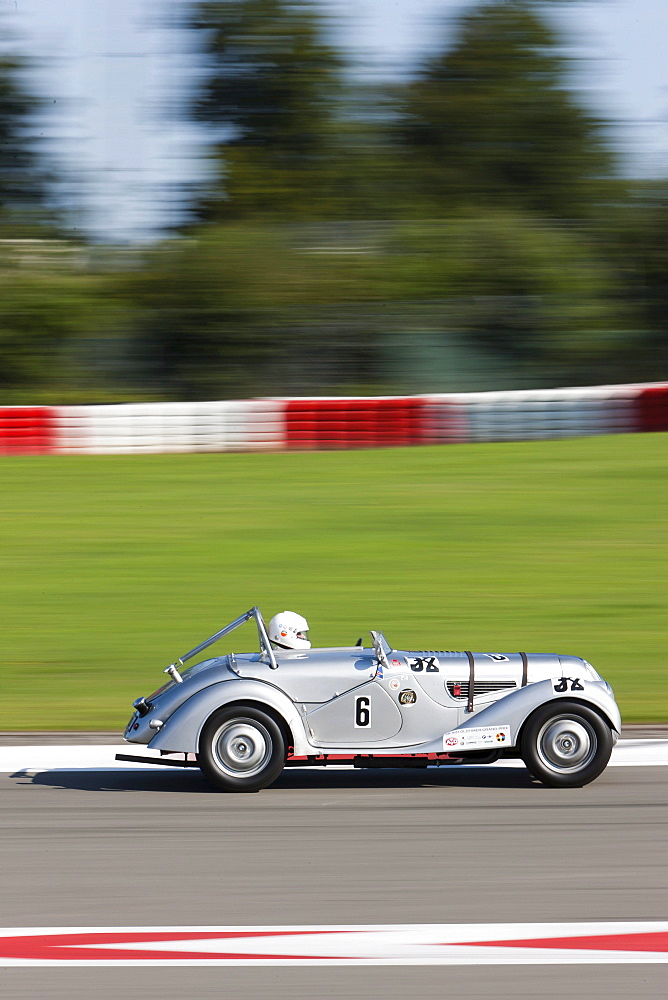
[
  {"x": 322, "y": 423},
  {"x": 158, "y": 428},
  {"x": 653, "y": 408},
  {"x": 27, "y": 430},
  {"x": 353, "y": 422},
  {"x": 541, "y": 413}
]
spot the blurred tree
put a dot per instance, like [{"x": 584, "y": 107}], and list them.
[
  {"x": 269, "y": 90},
  {"x": 271, "y": 310},
  {"x": 652, "y": 269},
  {"x": 23, "y": 181},
  {"x": 488, "y": 134},
  {"x": 252, "y": 309},
  {"x": 634, "y": 239},
  {"x": 539, "y": 294},
  {"x": 47, "y": 303},
  {"x": 46, "y": 319},
  {"x": 196, "y": 311},
  {"x": 490, "y": 121}
]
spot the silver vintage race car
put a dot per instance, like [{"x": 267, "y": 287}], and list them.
[{"x": 243, "y": 717}]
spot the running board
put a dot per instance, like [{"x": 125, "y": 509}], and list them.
[
  {"x": 376, "y": 760},
  {"x": 156, "y": 760},
  {"x": 356, "y": 760}
]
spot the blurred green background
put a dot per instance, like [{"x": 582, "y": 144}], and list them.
[{"x": 115, "y": 566}]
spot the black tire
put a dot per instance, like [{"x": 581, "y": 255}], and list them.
[
  {"x": 241, "y": 749},
  {"x": 565, "y": 744}
]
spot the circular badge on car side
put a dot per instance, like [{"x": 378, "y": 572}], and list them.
[{"x": 407, "y": 697}]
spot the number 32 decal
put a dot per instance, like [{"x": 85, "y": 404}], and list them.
[
  {"x": 563, "y": 685},
  {"x": 362, "y": 713},
  {"x": 419, "y": 663}
]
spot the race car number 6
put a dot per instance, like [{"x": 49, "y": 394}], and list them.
[{"x": 362, "y": 713}]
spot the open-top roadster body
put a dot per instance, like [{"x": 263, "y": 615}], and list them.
[{"x": 246, "y": 716}]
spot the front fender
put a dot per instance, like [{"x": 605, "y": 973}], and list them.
[
  {"x": 514, "y": 708},
  {"x": 182, "y": 730}
]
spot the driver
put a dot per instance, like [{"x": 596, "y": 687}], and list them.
[{"x": 287, "y": 630}]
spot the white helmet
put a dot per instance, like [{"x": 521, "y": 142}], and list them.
[{"x": 287, "y": 630}]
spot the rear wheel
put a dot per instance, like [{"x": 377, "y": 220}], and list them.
[
  {"x": 241, "y": 749},
  {"x": 566, "y": 744}
]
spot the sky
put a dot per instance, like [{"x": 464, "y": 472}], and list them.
[{"x": 107, "y": 67}]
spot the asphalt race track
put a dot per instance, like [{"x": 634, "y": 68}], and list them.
[{"x": 452, "y": 845}]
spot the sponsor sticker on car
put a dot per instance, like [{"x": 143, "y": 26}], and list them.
[{"x": 480, "y": 738}]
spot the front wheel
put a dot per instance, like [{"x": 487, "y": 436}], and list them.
[
  {"x": 241, "y": 749},
  {"x": 566, "y": 744}
]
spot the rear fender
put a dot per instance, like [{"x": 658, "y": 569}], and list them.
[
  {"x": 514, "y": 708},
  {"x": 182, "y": 730}
]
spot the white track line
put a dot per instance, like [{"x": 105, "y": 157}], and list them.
[
  {"x": 598, "y": 943},
  {"x": 36, "y": 759}
]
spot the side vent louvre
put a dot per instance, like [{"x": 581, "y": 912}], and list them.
[
  {"x": 438, "y": 652},
  {"x": 460, "y": 689}
]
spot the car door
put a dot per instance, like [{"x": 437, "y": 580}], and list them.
[{"x": 360, "y": 717}]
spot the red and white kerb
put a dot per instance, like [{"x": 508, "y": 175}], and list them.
[{"x": 620, "y": 942}]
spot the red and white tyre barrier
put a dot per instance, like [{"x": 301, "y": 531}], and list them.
[
  {"x": 28, "y": 430},
  {"x": 540, "y": 413},
  {"x": 322, "y": 423},
  {"x": 160, "y": 428},
  {"x": 600, "y": 943},
  {"x": 354, "y": 422}
]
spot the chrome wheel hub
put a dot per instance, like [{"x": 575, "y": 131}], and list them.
[
  {"x": 566, "y": 744},
  {"x": 241, "y": 747}
]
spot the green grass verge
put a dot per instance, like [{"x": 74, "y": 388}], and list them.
[{"x": 114, "y": 566}]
